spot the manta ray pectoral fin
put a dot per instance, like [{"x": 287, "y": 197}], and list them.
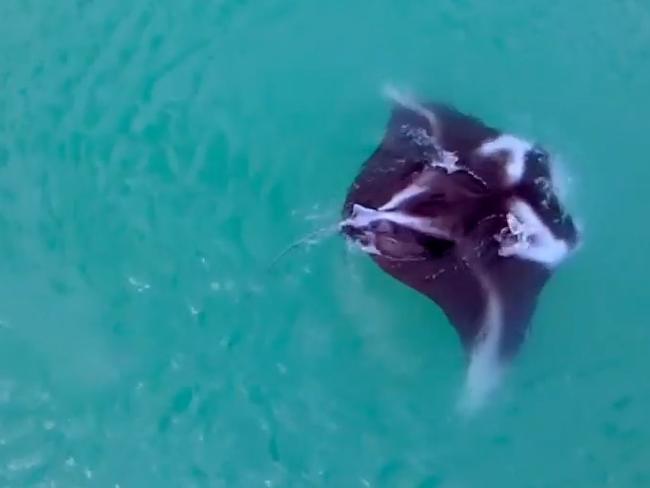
[{"x": 519, "y": 283}]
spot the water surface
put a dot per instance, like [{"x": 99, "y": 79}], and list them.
[{"x": 156, "y": 156}]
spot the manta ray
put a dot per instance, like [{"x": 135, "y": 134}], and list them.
[{"x": 464, "y": 214}]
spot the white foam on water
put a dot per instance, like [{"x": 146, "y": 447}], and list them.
[
  {"x": 139, "y": 285},
  {"x": 406, "y": 100},
  {"x": 561, "y": 179},
  {"x": 566, "y": 188},
  {"x": 311, "y": 239}
]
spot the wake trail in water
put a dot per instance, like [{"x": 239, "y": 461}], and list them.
[
  {"x": 483, "y": 377},
  {"x": 485, "y": 369},
  {"x": 313, "y": 238}
]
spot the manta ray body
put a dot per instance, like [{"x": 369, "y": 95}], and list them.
[{"x": 464, "y": 214}]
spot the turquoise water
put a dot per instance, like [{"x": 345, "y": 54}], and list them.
[{"x": 156, "y": 156}]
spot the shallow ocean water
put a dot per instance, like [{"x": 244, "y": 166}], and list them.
[{"x": 156, "y": 156}]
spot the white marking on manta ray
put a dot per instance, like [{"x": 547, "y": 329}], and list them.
[
  {"x": 527, "y": 237},
  {"x": 420, "y": 185},
  {"x": 403, "y": 195},
  {"x": 362, "y": 217},
  {"x": 516, "y": 149}
]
